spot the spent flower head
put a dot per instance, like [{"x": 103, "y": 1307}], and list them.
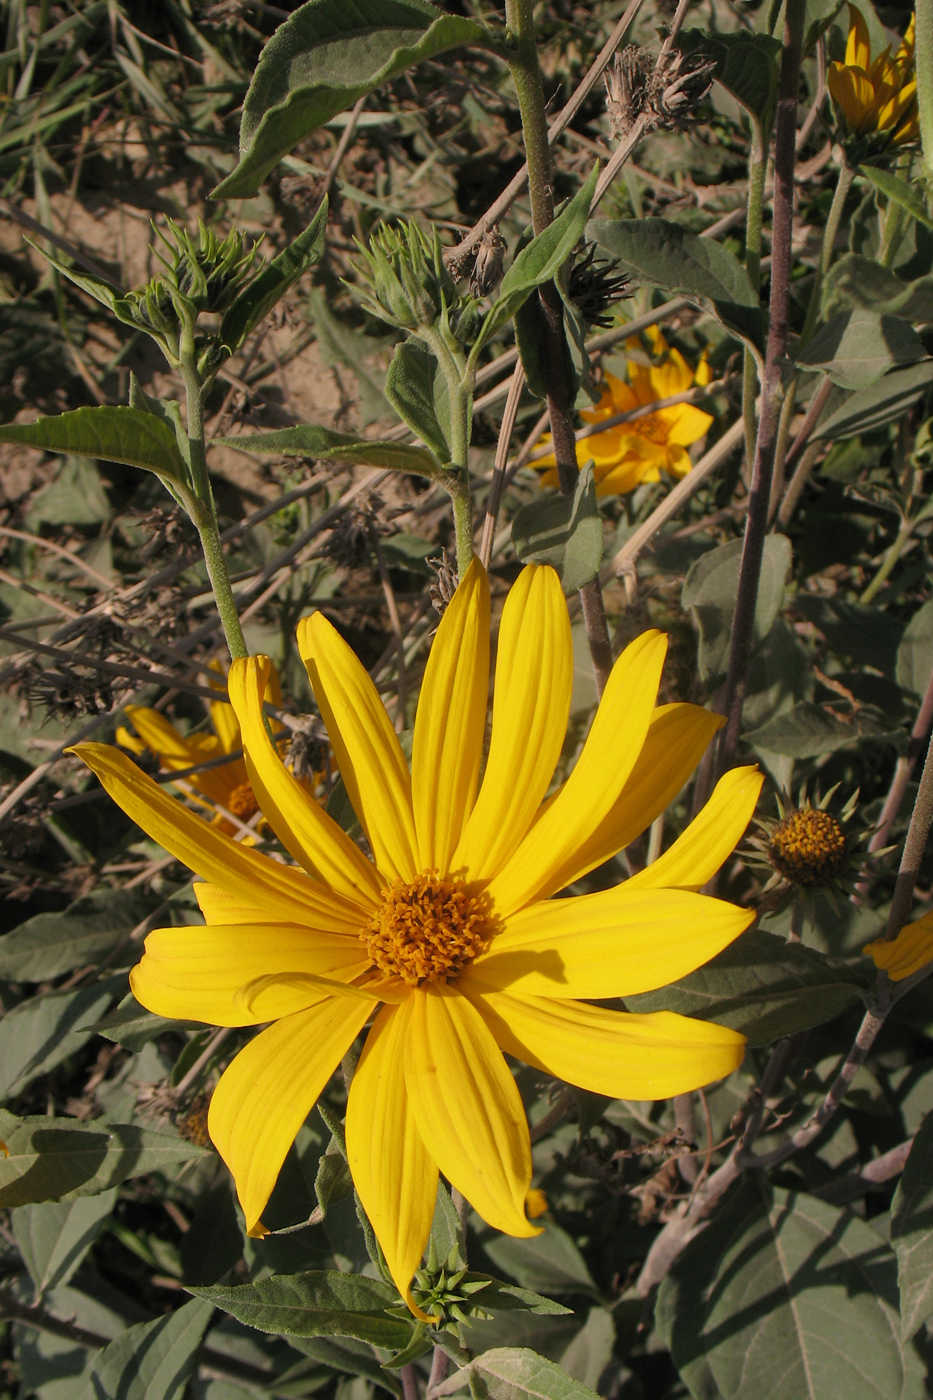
[{"x": 447, "y": 944}]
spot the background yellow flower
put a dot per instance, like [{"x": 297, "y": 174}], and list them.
[{"x": 880, "y": 95}]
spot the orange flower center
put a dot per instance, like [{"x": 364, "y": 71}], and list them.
[
  {"x": 242, "y": 802},
  {"x": 809, "y": 846},
  {"x": 429, "y": 930}
]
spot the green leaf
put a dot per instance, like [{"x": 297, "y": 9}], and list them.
[
  {"x": 746, "y": 66},
  {"x": 540, "y": 260},
  {"x": 321, "y": 60},
  {"x": 898, "y": 191},
  {"x": 548, "y": 1263},
  {"x": 854, "y": 281},
  {"x": 567, "y": 534},
  {"x": 113, "y": 432},
  {"x": 258, "y": 299},
  {"x": 669, "y": 256},
  {"x": 152, "y": 1360},
  {"x": 912, "y": 1233},
  {"x": 807, "y": 731},
  {"x": 76, "y": 496},
  {"x": 879, "y": 403},
  {"x": 764, "y": 987},
  {"x": 710, "y": 589},
  {"x": 42, "y": 1032},
  {"x": 81, "y": 935},
  {"x": 785, "y": 1296},
  {"x": 413, "y": 388},
  {"x": 310, "y": 440},
  {"x": 515, "y": 1373},
  {"x": 50, "y": 1159},
  {"x": 915, "y": 654},
  {"x": 856, "y": 347},
  {"x": 530, "y": 338},
  {"x": 54, "y": 1236},
  {"x": 315, "y": 1304}
]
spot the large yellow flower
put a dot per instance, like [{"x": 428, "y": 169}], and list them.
[
  {"x": 631, "y": 453},
  {"x": 222, "y": 785},
  {"x": 447, "y": 939},
  {"x": 876, "y": 96}
]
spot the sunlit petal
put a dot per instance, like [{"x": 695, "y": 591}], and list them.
[
  {"x": 160, "y": 736},
  {"x": 534, "y": 674},
  {"x": 467, "y": 1107},
  {"x": 267, "y": 1092},
  {"x": 393, "y": 1174},
  {"x": 612, "y": 746},
  {"x": 614, "y": 943},
  {"x": 314, "y": 839},
  {"x": 197, "y": 974},
  {"x": 447, "y": 748},
  {"x": 713, "y": 834},
  {"x": 613, "y": 1052},
  {"x": 366, "y": 746}
]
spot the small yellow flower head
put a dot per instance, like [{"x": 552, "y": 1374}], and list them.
[
  {"x": 875, "y": 99},
  {"x": 641, "y": 449},
  {"x": 809, "y": 847},
  {"x": 906, "y": 954}
]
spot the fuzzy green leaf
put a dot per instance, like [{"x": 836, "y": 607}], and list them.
[
  {"x": 311, "y": 440},
  {"x": 414, "y": 388},
  {"x": 322, "y": 59},
  {"x": 516, "y": 1373},
  {"x": 898, "y": 191},
  {"x": 856, "y": 347},
  {"x": 709, "y": 593},
  {"x": 807, "y": 731},
  {"x": 854, "y": 281},
  {"x": 315, "y": 1304},
  {"x": 151, "y": 1360},
  {"x": 566, "y": 534},
  {"x": 81, "y": 935},
  {"x": 54, "y": 1236},
  {"x": 113, "y": 432}
]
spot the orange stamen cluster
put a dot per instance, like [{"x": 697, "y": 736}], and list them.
[
  {"x": 242, "y": 802},
  {"x": 809, "y": 847},
  {"x": 429, "y": 929}
]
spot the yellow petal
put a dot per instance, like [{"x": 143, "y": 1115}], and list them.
[
  {"x": 534, "y": 672},
  {"x": 906, "y": 954},
  {"x": 677, "y": 738},
  {"x": 160, "y": 737},
  {"x": 314, "y": 839},
  {"x": 451, "y": 722},
  {"x": 612, "y": 746},
  {"x": 710, "y": 838},
  {"x": 858, "y": 48},
  {"x": 128, "y": 740},
  {"x": 197, "y": 974},
  {"x": 366, "y": 746},
  {"x": 394, "y": 1176},
  {"x": 613, "y": 943},
  {"x": 687, "y": 424},
  {"x": 467, "y": 1107},
  {"x": 612, "y": 1052},
  {"x": 267, "y": 1092},
  {"x": 283, "y": 893}
]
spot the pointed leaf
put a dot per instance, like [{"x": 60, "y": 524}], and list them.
[
  {"x": 113, "y": 432},
  {"x": 152, "y": 1360},
  {"x": 258, "y": 299},
  {"x": 54, "y": 1236},
  {"x": 854, "y": 281},
  {"x": 79, "y": 936},
  {"x": 315, "y": 1304},
  {"x": 566, "y": 534},
  {"x": 325, "y": 56},
  {"x": 856, "y": 347},
  {"x": 312, "y": 440},
  {"x": 890, "y": 397},
  {"x": 668, "y": 256},
  {"x": 44, "y": 1031}
]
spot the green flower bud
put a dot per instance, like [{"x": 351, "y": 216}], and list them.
[{"x": 403, "y": 279}]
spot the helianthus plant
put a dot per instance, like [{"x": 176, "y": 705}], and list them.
[
  {"x": 448, "y": 943},
  {"x": 875, "y": 97}
]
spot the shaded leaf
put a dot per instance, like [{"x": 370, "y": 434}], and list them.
[
  {"x": 785, "y": 1296},
  {"x": 258, "y": 299},
  {"x": 669, "y": 256},
  {"x": 566, "y": 534},
  {"x": 855, "y": 347},
  {"x": 54, "y": 1236},
  {"x": 746, "y": 66},
  {"x": 710, "y": 590},
  {"x": 856, "y": 281},
  {"x": 413, "y": 388},
  {"x": 549, "y": 1263},
  {"x": 315, "y": 1304},
  {"x": 325, "y": 56},
  {"x": 912, "y": 1233},
  {"x": 50, "y": 1159},
  {"x": 75, "y": 497},
  {"x": 82, "y": 935},
  {"x": 764, "y": 987},
  {"x": 45, "y": 1030},
  {"x": 311, "y": 440},
  {"x": 899, "y": 191},
  {"x": 113, "y": 432},
  {"x": 915, "y": 653},
  {"x": 515, "y": 1373},
  {"x": 808, "y": 731},
  {"x": 879, "y": 403},
  {"x": 152, "y": 1360}
]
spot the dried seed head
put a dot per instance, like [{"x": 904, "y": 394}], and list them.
[
  {"x": 443, "y": 585},
  {"x": 595, "y": 285},
  {"x": 677, "y": 85},
  {"x": 627, "y": 89},
  {"x": 487, "y": 269}
]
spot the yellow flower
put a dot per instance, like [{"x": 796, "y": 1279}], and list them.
[
  {"x": 447, "y": 940},
  {"x": 906, "y": 954},
  {"x": 876, "y": 97},
  {"x": 631, "y": 453},
  {"x": 227, "y": 785}
]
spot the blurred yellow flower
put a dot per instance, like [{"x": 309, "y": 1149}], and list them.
[
  {"x": 225, "y": 785},
  {"x": 876, "y": 97},
  {"x": 447, "y": 939},
  {"x": 637, "y": 451},
  {"x": 906, "y": 954}
]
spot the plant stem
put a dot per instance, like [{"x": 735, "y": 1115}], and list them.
[
  {"x": 763, "y": 466},
  {"x": 458, "y": 376},
  {"x": 757, "y": 168},
  {"x": 204, "y": 511}
]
